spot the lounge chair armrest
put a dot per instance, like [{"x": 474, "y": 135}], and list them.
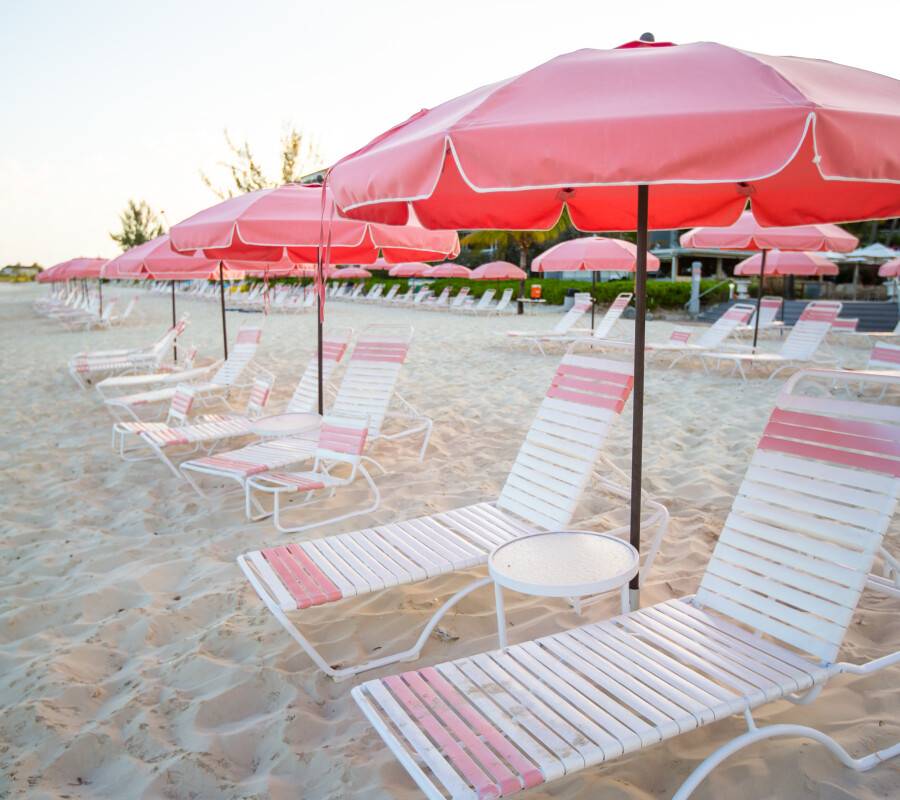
[{"x": 869, "y": 667}]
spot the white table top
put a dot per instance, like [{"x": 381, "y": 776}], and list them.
[
  {"x": 564, "y": 563},
  {"x": 287, "y": 424}
]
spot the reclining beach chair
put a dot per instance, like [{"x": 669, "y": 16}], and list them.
[
  {"x": 459, "y": 301},
  {"x": 90, "y": 365},
  {"x": 438, "y": 303},
  {"x": 374, "y": 293},
  {"x": 341, "y": 442},
  {"x": 798, "y": 350},
  {"x": 366, "y": 392},
  {"x": 884, "y": 357},
  {"x": 227, "y": 377},
  {"x": 176, "y": 433},
  {"x": 502, "y": 304},
  {"x": 605, "y": 325},
  {"x": 90, "y": 319},
  {"x": 185, "y": 373},
  {"x": 766, "y": 624},
  {"x": 580, "y": 306},
  {"x": 769, "y": 308},
  {"x": 391, "y": 294},
  {"x": 552, "y": 470},
  {"x": 484, "y": 303}
]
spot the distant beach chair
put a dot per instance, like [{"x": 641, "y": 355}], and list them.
[
  {"x": 555, "y": 464},
  {"x": 503, "y": 303},
  {"x": 769, "y": 308},
  {"x": 391, "y": 294},
  {"x": 484, "y": 303},
  {"x": 186, "y": 373},
  {"x": 799, "y": 348},
  {"x": 884, "y": 357},
  {"x": 459, "y": 301},
  {"x": 89, "y": 365},
  {"x": 766, "y": 624},
  {"x": 438, "y": 303},
  {"x": 580, "y": 306}
]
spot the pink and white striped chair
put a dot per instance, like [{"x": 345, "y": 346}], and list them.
[
  {"x": 798, "y": 350},
  {"x": 341, "y": 443},
  {"x": 769, "y": 308},
  {"x": 555, "y": 464},
  {"x": 766, "y": 624},
  {"x": 334, "y": 346},
  {"x": 177, "y": 433},
  {"x": 884, "y": 357},
  {"x": 87, "y": 366}
]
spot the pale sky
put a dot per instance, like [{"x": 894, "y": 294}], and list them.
[{"x": 106, "y": 100}]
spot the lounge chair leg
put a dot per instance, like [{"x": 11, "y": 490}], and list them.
[{"x": 758, "y": 734}]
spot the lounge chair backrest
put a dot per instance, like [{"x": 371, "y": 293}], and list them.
[
  {"x": 812, "y": 327},
  {"x": 368, "y": 385},
  {"x": 726, "y": 324},
  {"x": 334, "y": 346},
  {"x": 375, "y": 291},
  {"x": 844, "y": 325},
  {"x": 680, "y": 336},
  {"x": 392, "y": 292},
  {"x": 503, "y": 302},
  {"x": 460, "y": 298},
  {"x": 108, "y": 310},
  {"x": 341, "y": 439},
  {"x": 769, "y": 307},
  {"x": 260, "y": 392},
  {"x": 807, "y": 521},
  {"x": 239, "y": 356},
  {"x": 485, "y": 300},
  {"x": 558, "y": 455},
  {"x": 611, "y": 317},
  {"x": 443, "y": 297},
  {"x": 180, "y": 404},
  {"x": 165, "y": 341},
  {"x": 885, "y": 356},
  {"x": 580, "y": 306},
  {"x": 129, "y": 309}
]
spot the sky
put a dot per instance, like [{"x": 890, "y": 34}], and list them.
[{"x": 108, "y": 100}]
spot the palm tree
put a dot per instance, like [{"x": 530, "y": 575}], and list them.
[{"x": 522, "y": 241}]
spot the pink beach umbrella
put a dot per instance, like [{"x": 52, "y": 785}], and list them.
[
  {"x": 77, "y": 268},
  {"x": 350, "y": 273},
  {"x": 414, "y": 269},
  {"x": 300, "y": 223},
  {"x": 447, "y": 270},
  {"x": 379, "y": 265},
  {"x": 748, "y": 234},
  {"x": 690, "y": 134},
  {"x": 498, "y": 271},
  {"x": 592, "y": 254},
  {"x": 890, "y": 269},
  {"x": 783, "y": 264}
]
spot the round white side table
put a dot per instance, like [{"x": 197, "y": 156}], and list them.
[{"x": 561, "y": 564}]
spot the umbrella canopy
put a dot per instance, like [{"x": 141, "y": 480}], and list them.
[
  {"x": 649, "y": 135},
  {"x": 379, "y": 264},
  {"x": 448, "y": 270},
  {"x": 157, "y": 260},
  {"x": 498, "y": 271},
  {"x": 414, "y": 269},
  {"x": 782, "y": 264},
  {"x": 350, "y": 273},
  {"x": 890, "y": 269},
  {"x": 289, "y": 221},
  {"x": 593, "y": 254},
  {"x": 748, "y": 234},
  {"x": 73, "y": 268},
  {"x": 707, "y": 126}
]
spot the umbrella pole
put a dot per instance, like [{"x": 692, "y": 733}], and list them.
[
  {"x": 100, "y": 294},
  {"x": 762, "y": 277},
  {"x": 321, "y": 387},
  {"x": 637, "y": 428},
  {"x": 222, "y": 306},
  {"x": 593, "y": 287},
  {"x": 175, "y": 340}
]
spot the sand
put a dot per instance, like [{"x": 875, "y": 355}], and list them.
[{"x": 135, "y": 661}]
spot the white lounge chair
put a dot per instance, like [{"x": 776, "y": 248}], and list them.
[
  {"x": 438, "y": 303},
  {"x": 552, "y": 470},
  {"x": 766, "y": 624},
  {"x": 484, "y": 303},
  {"x": 226, "y": 378},
  {"x": 391, "y": 294},
  {"x": 186, "y": 372},
  {"x": 798, "y": 350},
  {"x": 503, "y": 303},
  {"x": 459, "y": 301},
  {"x": 90, "y": 365},
  {"x": 366, "y": 392},
  {"x": 604, "y": 327},
  {"x": 341, "y": 443},
  {"x": 580, "y": 306},
  {"x": 769, "y": 308},
  {"x": 176, "y": 433}
]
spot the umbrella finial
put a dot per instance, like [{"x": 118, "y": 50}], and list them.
[{"x": 648, "y": 37}]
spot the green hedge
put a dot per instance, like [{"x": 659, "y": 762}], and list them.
[{"x": 660, "y": 294}]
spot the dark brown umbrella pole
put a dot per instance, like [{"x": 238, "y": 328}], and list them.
[
  {"x": 175, "y": 340},
  {"x": 637, "y": 429},
  {"x": 759, "y": 294},
  {"x": 222, "y": 306}
]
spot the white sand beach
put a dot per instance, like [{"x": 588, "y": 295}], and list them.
[{"x": 136, "y": 662}]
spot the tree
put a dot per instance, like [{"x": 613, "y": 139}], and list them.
[
  {"x": 299, "y": 154},
  {"x": 139, "y": 224}
]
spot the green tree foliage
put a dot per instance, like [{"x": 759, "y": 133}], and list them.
[
  {"x": 138, "y": 224},
  {"x": 520, "y": 242},
  {"x": 299, "y": 154}
]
